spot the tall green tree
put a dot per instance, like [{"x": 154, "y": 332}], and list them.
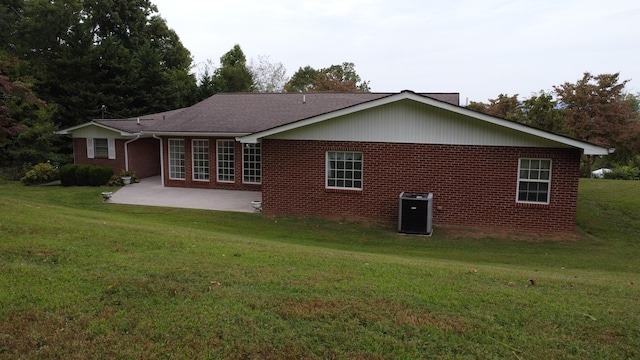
[
  {"x": 233, "y": 75},
  {"x": 116, "y": 53},
  {"x": 342, "y": 78},
  {"x": 26, "y": 130},
  {"x": 302, "y": 80}
]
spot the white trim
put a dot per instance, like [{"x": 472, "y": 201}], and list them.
[
  {"x": 193, "y": 161},
  {"x": 233, "y": 148},
  {"x": 245, "y": 148},
  {"x": 344, "y": 178},
  {"x": 111, "y": 145},
  {"x": 126, "y": 152},
  {"x": 184, "y": 165},
  {"x": 194, "y": 134},
  {"x": 588, "y": 148},
  {"x": 542, "y": 181},
  {"x": 161, "y": 159},
  {"x": 70, "y": 130}
]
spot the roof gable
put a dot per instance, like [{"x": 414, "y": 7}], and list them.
[{"x": 513, "y": 130}]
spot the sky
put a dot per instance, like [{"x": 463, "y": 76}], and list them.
[{"x": 480, "y": 49}]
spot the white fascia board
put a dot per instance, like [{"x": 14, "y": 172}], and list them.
[
  {"x": 70, "y": 130},
  {"x": 588, "y": 148},
  {"x": 194, "y": 134}
]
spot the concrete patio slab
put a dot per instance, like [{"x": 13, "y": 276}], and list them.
[{"x": 150, "y": 192}]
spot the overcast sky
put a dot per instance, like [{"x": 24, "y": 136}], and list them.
[{"x": 479, "y": 49}]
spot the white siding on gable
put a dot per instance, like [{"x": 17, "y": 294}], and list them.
[
  {"x": 408, "y": 121},
  {"x": 96, "y": 132}
]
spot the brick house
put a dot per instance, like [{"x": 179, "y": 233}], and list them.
[{"x": 350, "y": 155}]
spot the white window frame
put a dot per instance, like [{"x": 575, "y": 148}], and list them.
[
  {"x": 200, "y": 163},
  {"x": 225, "y": 164},
  {"x": 536, "y": 174},
  {"x": 344, "y": 170},
  {"x": 252, "y": 164},
  {"x": 178, "y": 162}
]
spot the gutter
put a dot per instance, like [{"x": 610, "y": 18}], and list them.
[
  {"x": 126, "y": 152},
  {"x": 161, "y": 160}
]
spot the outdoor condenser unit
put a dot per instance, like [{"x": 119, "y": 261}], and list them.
[{"x": 415, "y": 213}]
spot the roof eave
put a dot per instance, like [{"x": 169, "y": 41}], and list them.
[
  {"x": 196, "y": 133},
  {"x": 69, "y": 131}
]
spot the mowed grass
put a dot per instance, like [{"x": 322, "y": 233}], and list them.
[{"x": 82, "y": 279}]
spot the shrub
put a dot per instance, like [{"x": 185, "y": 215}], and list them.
[
  {"x": 116, "y": 180},
  {"x": 40, "y": 174},
  {"x": 82, "y": 175},
  {"x": 68, "y": 174},
  {"x": 623, "y": 173},
  {"x": 99, "y": 175}
]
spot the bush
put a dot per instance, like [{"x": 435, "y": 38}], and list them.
[
  {"x": 99, "y": 175},
  {"x": 40, "y": 174},
  {"x": 68, "y": 174},
  {"x": 116, "y": 180},
  {"x": 623, "y": 173},
  {"x": 82, "y": 175}
]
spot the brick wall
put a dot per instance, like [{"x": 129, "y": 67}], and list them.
[
  {"x": 144, "y": 156},
  {"x": 80, "y": 155},
  {"x": 212, "y": 183},
  {"x": 472, "y": 185}
]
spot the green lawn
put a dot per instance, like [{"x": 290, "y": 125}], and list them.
[{"x": 82, "y": 279}]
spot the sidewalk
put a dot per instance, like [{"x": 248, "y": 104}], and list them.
[{"x": 150, "y": 192}]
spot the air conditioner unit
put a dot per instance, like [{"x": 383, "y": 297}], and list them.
[{"x": 415, "y": 213}]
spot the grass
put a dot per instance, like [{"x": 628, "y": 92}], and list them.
[{"x": 83, "y": 279}]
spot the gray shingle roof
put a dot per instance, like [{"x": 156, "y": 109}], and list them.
[
  {"x": 248, "y": 113},
  {"x": 245, "y": 113},
  {"x": 136, "y": 125}
]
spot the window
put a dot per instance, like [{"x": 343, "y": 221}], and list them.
[
  {"x": 534, "y": 180},
  {"x": 101, "y": 148},
  {"x": 344, "y": 169},
  {"x": 252, "y": 164},
  {"x": 226, "y": 161},
  {"x": 200, "y": 163},
  {"x": 176, "y": 159}
]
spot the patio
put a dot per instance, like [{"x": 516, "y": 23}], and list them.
[{"x": 150, "y": 192}]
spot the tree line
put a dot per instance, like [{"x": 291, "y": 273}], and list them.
[
  {"x": 63, "y": 63},
  {"x": 596, "y": 108}
]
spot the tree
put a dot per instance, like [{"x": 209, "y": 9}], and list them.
[
  {"x": 599, "y": 111},
  {"x": 26, "y": 131},
  {"x": 504, "y": 106},
  {"x": 233, "y": 75},
  {"x": 118, "y": 53},
  {"x": 542, "y": 112},
  {"x": 267, "y": 76},
  {"x": 303, "y": 80},
  {"x": 539, "y": 111},
  {"x": 341, "y": 78}
]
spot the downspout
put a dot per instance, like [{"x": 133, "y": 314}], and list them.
[
  {"x": 161, "y": 160},
  {"x": 126, "y": 152}
]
